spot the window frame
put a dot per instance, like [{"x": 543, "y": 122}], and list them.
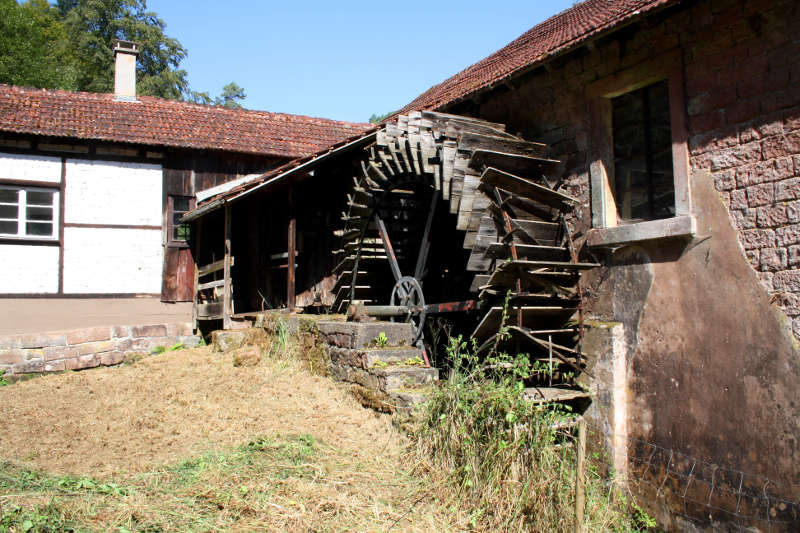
[
  {"x": 606, "y": 227},
  {"x": 171, "y": 241},
  {"x": 22, "y": 218}
]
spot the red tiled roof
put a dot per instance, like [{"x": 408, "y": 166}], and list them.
[
  {"x": 556, "y": 34},
  {"x": 155, "y": 121}
]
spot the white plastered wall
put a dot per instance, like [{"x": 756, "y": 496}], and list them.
[
  {"x": 26, "y": 268},
  {"x": 112, "y": 260}
]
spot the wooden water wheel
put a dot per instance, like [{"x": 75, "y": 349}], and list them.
[{"x": 453, "y": 214}]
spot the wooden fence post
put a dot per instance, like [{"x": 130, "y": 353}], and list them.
[
  {"x": 579, "y": 494},
  {"x": 226, "y": 299},
  {"x": 292, "y": 242}
]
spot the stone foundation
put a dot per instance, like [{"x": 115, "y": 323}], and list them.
[{"x": 88, "y": 347}]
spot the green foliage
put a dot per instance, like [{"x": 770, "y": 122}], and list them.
[
  {"x": 175, "y": 347},
  {"x": 70, "y": 46},
  {"x": 381, "y": 341},
  {"x": 40, "y": 519},
  {"x": 377, "y": 119},
  {"x": 510, "y": 462},
  {"x": 3, "y": 380},
  {"x": 33, "y": 46}
]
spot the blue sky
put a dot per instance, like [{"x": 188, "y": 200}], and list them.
[{"x": 341, "y": 60}]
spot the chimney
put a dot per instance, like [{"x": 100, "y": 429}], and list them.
[{"x": 125, "y": 53}]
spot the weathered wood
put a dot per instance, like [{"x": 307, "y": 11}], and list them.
[
  {"x": 291, "y": 238},
  {"x": 475, "y": 141},
  {"x": 210, "y": 311},
  {"x": 448, "y": 161},
  {"x": 197, "y": 249},
  {"x": 210, "y": 284},
  {"x": 533, "y": 265},
  {"x": 470, "y": 189},
  {"x": 227, "y": 309},
  {"x": 516, "y": 163},
  {"x": 551, "y": 314},
  {"x": 529, "y": 251},
  {"x": 478, "y": 281},
  {"x": 527, "y": 189}
]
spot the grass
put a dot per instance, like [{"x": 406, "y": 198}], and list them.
[
  {"x": 505, "y": 464},
  {"x": 187, "y": 442},
  {"x": 274, "y": 483}
]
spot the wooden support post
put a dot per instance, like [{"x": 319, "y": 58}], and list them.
[
  {"x": 226, "y": 302},
  {"x": 579, "y": 495},
  {"x": 292, "y": 241},
  {"x": 198, "y": 239}
]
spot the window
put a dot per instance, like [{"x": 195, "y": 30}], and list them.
[
  {"x": 643, "y": 183},
  {"x": 28, "y": 212},
  {"x": 179, "y": 206},
  {"x": 639, "y": 168}
]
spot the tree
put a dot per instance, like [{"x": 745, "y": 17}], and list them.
[
  {"x": 377, "y": 119},
  {"x": 231, "y": 94},
  {"x": 69, "y": 46},
  {"x": 33, "y": 48},
  {"x": 93, "y": 25}
]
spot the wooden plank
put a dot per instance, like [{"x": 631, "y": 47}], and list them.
[
  {"x": 209, "y": 311},
  {"x": 553, "y": 394},
  {"x": 210, "y": 284},
  {"x": 534, "y": 265},
  {"x": 535, "y": 232},
  {"x": 478, "y": 281},
  {"x": 475, "y": 141},
  {"x": 227, "y": 310},
  {"x": 549, "y": 280},
  {"x": 197, "y": 248},
  {"x": 210, "y": 268},
  {"x": 516, "y": 163},
  {"x": 448, "y": 161},
  {"x": 437, "y": 117},
  {"x": 471, "y": 181},
  {"x": 291, "y": 240},
  {"x": 550, "y": 314},
  {"x": 527, "y": 189},
  {"x": 529, "y": 251}
]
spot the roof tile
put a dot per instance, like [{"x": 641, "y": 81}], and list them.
[
  {"x": 556, "y": 34},
  {"x": 166, "y": 123}
]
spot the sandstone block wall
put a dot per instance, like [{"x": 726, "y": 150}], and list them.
[{"x": 88, "y": 347}]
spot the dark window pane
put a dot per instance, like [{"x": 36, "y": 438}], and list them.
[
  {"x": 643, "y": 182},
  {"x": 39, "y": 213},
  {"x": 8, "y": 227},
  {"x": 39, "y": 198},
  {"x": 181, "y": 203},
  {"x": 180, "y": 233},
  {"x": 9, "y": 211},
  {"x": 176, "y": 218},
  {"x": 9, "y": 196},
  {"x": 38, "y": 229}
]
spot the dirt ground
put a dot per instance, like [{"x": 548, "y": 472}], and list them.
[
  {"x": 176, "y": 431},
  {"x": 132, "y": 417}
]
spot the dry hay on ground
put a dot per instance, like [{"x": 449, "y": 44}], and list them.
[{"x": 163, "y": 408}]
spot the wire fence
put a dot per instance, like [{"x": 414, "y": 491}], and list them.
[{"x": 701, "y": 492}]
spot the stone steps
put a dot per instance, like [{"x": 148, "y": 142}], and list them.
[{"x": 376, "y": 358}]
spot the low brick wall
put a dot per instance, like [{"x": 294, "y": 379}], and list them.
[{"x": 88, "y": 347}]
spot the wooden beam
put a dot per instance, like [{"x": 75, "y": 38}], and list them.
[
  {"x": 292, "y": 243},
  {"x": 198, "y": 238},
  {"x": 227, "y": 310}
]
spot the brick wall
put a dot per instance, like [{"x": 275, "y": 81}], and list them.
[
  {"x": 88, "y": 347},
  {"x": 741, "y": 64}
]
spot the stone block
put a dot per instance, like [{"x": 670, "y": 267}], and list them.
[
  {"x": 754, "y": 258},
  {"x": 112, "y": 358},
  {"x": 794, "y": 255},
  {"x": 757, "y": 238},
  {"x": 773, "y": 259},
  {"x": 744, "y": 218},
  {"x": 394, "y": 378},
  {"x": 788, "y": 189},
  {"x": 155, "y": 330},
  {"x": 390, "y": 356},
  {"x": 8, "y": 342},
  {"x": 80, "y": 336},
  {"x": 738, "y": 199},
  {"x": 772, "y": 216},
  {"x": 786, "y": 281},
  {"x": 55, "y": 366},
  {"x": 94, "y": 347},
  {"x": 758, "y": 195},
  {"x": 42, "y": 340},
  {"x": 786, "y": 235},
  {"x": 120, "y": 332},
  {"x": 766, "y": 279},
  {"x": 189, "y": 341},
  {"x": 81, "y": 362},
  {"x": 28, "y": 367},
  {"x": 12, "y": 356},
  {"x": 225, "y": 341}
]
